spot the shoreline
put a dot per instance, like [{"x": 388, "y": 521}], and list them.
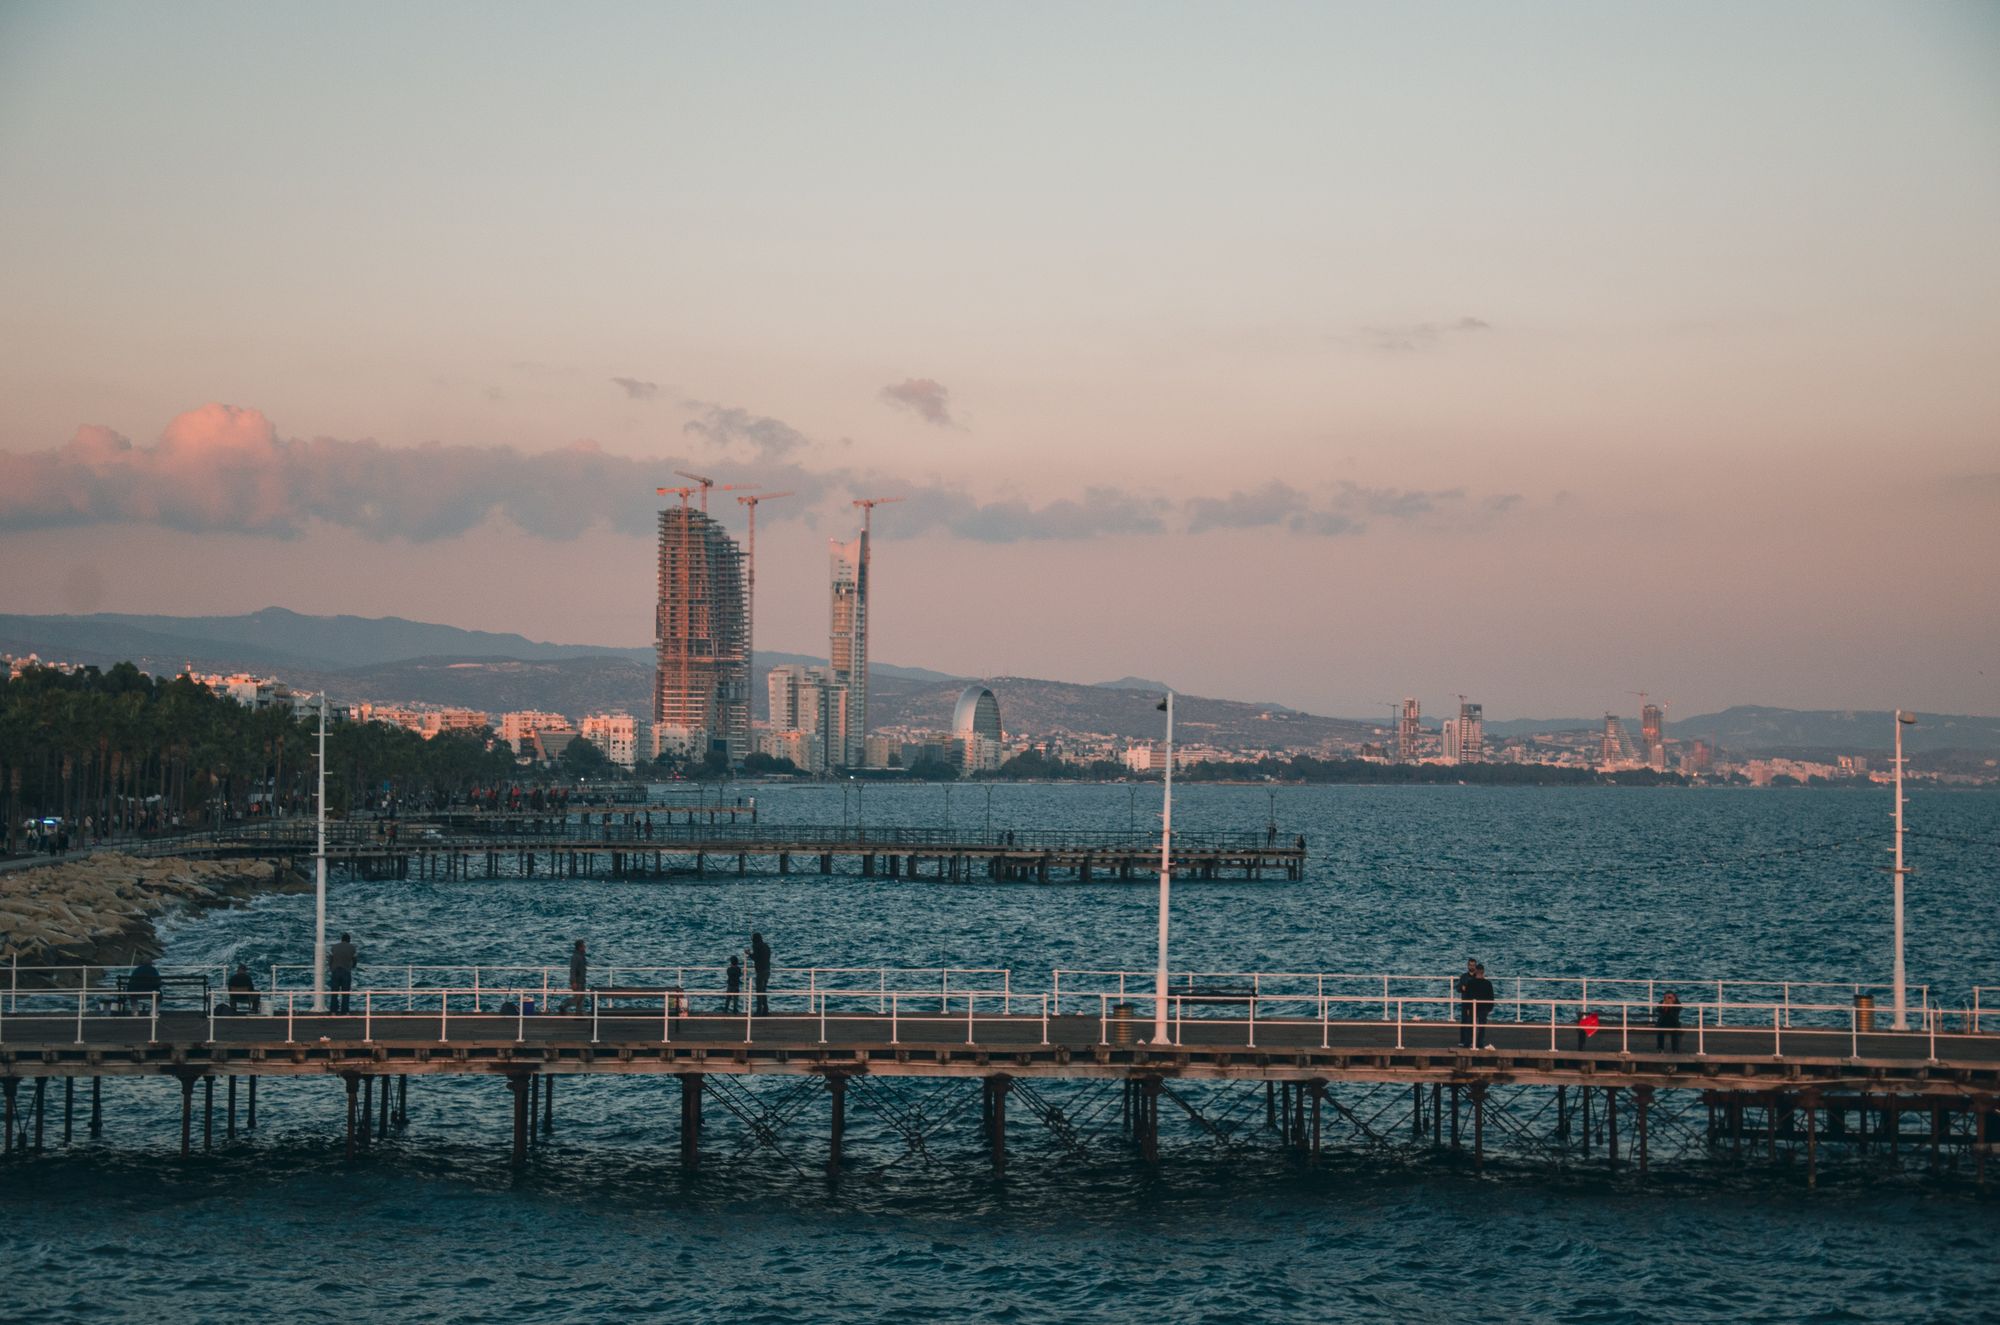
[{"x": 102, "y": 909}]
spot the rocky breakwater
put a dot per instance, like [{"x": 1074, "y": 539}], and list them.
[{"x": 98, "y": 910}]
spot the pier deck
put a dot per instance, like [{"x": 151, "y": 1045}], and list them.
[{"x": 1806, "y": 1087}]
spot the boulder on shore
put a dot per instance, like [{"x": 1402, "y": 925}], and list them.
[{"x": 99, "y": 909}]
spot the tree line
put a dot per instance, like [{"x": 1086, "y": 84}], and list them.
[{"x": 131, "y": 754}]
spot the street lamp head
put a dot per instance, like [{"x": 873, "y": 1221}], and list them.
[{"x": 1907, "y": 719}]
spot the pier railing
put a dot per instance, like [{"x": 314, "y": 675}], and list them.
[
  {"x": 1794, "y": 998},
  {"x": 875, "y": 1012}
]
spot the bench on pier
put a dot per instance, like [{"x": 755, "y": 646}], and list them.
[
  {"x": 1215, "y": 995},
  {"x": 610, "y": 995},
  {"x": 196, "y": 984}
]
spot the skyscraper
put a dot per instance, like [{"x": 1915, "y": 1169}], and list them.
[
  {"x": 849, "y": 644},
  {"x": 1652, "y": 734},
  {"x": 1407, "y": 727},
  {"x": 1471, "y": 732},
  {"x": 701, "y": 690}
]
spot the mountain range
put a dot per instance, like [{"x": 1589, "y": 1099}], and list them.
[{"x": 390, "y": 659}]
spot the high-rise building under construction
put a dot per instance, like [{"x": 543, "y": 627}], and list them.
[
  {"x": 1653, "y": 735},
  {"x": 848, "y": 646},
  {"x": 701, "y": 688},
  {"x": 1408, "y": 724},
  {"x": 1471, "y": 732}
]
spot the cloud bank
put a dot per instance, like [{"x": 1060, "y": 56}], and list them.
[
  {"x": 636, "y": 388},
  {"x": 225, "y": 469},
  {"x": 929, "y": 400}
]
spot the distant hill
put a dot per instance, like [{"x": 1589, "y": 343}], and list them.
[
  {"x": 1751, "y": 730},
  {"x": 1036, "y": 706},
  {"x": 273, "y": 638}
]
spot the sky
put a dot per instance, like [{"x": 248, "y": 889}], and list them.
[{"x": 1319, "y": 354}]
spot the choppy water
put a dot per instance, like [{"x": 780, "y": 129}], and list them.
[{"x": 604, "y": 1226}]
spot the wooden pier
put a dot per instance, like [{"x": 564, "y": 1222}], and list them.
[
  {"x": 1802, "y": 1096},
  {"x": 621, "y": 845}
]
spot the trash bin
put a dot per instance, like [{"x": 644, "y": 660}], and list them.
[
  {"x": 1124, "y": 1027},
  {"x": 1864, "y": 1012}
]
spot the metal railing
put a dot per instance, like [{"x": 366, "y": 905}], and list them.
[{"x": 1793, "y": 996}]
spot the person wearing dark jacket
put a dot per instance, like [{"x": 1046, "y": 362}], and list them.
[
  {"x": 341, "y": 959},
  {"x": 732, "y": 982},
  {"x": 1667, "y": 1024},
  {"x": 1479, "y": 995},
  {"x": 579, "y": 976},
  {"x": 1461, "y": 988},
  {"x": 760, "y": 961}
]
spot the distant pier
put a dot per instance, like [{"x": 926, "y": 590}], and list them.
[{"x": 620, "y": 843}]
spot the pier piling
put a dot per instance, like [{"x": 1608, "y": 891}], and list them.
[{"x": 836, "y": 1087}]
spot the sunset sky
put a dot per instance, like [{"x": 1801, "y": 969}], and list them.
[{"x": 1312, "y": 353}]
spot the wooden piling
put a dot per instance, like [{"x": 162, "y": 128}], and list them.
[
  {"x": 69, "y": 1106},
  {"x": 836, "y": 1087},
  {"x": 1643, "y": 1097},
  {"x": 250, "y": 1111},
  {"x": 691, "y": 1083},
  {"x": 996, "y": 1095},
  {"x": 353, "y": 1096},
  {"x": 187, "y": 1115},
  {"x": 1479, "y": 1127},
  {"x": 229, "y": 1129},
  {"x": 519, "y": 1083},
  {"x": 96, "y": 1106},
  {"x": 41, "y": 1091}
]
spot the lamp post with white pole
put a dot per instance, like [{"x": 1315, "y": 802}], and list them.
[
  {"x": 1166, "y": 877},
  {"x": 1902, "y": 720},
  {"x": 319, "y": 875}
]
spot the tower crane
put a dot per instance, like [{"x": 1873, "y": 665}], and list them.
[
  {"x": 749, "y": 503},
  {"x": 706, "y": 483},
  {"x": 868, "y": 505}
]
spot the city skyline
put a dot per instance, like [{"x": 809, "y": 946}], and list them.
[{"x": 1344, "y": 329}]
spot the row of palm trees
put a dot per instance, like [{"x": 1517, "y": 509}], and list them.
[{"x": 126, "y": 753}]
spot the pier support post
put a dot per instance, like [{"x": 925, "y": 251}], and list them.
[
  {"x": 1149, "y": 1109},
  {"x": 1810, "y": 1100},
  {"x": 1318, "y": 1089},
  {"x": 1454, "y": 1116},
  {"x": 97, "y": 1106},
  {"x": 382, "y": 1123},
  {"x": 548, "y": 1104},
  {"x": 250, "y": 1110},
  {"x": 187, "y": 1116},
  {"x": 691, "y": 1120},
  {"x": 353, "y": 1101},
  {"x": 1417, "y": 1113},
  {"x": 9, "y": 1086},
  {"x": 836, "y": 1087},
  {"x": 1980, "y": 1145},
  {"x": 367, "y": 1108},
  {"x": 1611, "y": 1125},
  {"x": 41, "y": 1092},
  {"x": 69, "y": 1106},
  {"x": 402, "y": 1100},
  {"x": 996, "y": 1119},
  {"x": 1643, "y": 1097},
  {"x": 1479, "y": 1127},
  {"x": 208, "y": 1113},
  {"x": 229, "y": 1128},
  {"x": 519, "y": 1083}
]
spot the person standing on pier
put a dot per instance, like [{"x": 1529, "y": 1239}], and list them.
[
  {"x": 1462, "y": 987},
  {"x": 579, "y": 976},
  {"x": 1482, "y": 1006},
  {"x": 341, "y": 959},
  {"x": 760, "y": 961},
  {"x": 1667, "y": 1024},
  {"x": 732, "y": 982}
]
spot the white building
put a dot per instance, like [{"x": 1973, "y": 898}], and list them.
[
  {"x": 616, "y": 734},
  {"x": 518, "y": 726}
]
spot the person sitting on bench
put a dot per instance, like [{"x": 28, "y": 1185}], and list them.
[
  {"x": 145, "y": 979},
  {"x": 243, "y": 990}
]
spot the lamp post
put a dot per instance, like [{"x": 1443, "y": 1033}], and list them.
[
  {"x": 319, "y": 875},
  {"x": 1902, "y": 1019},
  {"x": 1166, "y": 877}
]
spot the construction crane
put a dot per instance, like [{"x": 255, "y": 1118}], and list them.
[
  {"x": 749, "y": 502},
  {"x": 868, "y": 505},
  {"x": 682, "y": 493},
  {"x": 707, "y": 483}
]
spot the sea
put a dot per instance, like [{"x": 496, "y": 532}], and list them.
[{"x": 1680, "y": 885}]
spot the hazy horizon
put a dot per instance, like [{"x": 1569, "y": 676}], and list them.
[{"x": 1324, "y": 354}]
